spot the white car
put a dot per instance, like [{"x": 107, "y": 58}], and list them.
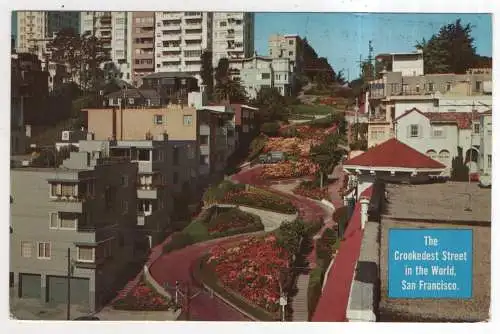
[{"x": 485, "y": 181}]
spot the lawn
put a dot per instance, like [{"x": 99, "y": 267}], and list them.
[
  {"x": 307, "y": 109},
  {"x": 215, "y": 223}
]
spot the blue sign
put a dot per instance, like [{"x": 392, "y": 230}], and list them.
[{"x": 430, "y": 263}]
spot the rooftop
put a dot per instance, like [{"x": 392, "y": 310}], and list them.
[
  {"x": 159, "y": 75},
  {"x": 463, "y": 120},
  {"x": 393, "y": 154},
  {"x": 440, "y": 206}
]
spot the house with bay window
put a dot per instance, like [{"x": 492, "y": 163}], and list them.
[{"x": 81, "y": 208}]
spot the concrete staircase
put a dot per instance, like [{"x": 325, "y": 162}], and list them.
[{"x": 299, "y": 303}]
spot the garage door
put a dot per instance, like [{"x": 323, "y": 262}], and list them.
[
  {"x": 30, "y": 285},
  {"x": 57, "y": 287}
]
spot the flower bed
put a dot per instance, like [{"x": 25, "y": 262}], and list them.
[
  {"x": 311, "y": 190},
  {"x": 260, "y": 199},
  {"x": 252, "y": 269},
  {"x": 233, "y": 219},
  {"x": 291, "y": 145},
  {"x": 289, "y": 169},
  {"x": 144, "y": 298}
]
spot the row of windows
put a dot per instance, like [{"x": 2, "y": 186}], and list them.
[
  {"x": 187, "y": 120},
  {"x": 84, "y": 253}
]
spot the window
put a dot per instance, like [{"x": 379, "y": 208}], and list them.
[
  {"x": 476, "y": 128},
  {"x": 290, "y": 53},
  {"x": 203, "y": 140},
  {"x": 431, "y": 86},
  {"x": 175, "y": 158},
  {"x": 448, "y": 87},
  {"x": 444, "y": 156},
  {"x": 437, "y": 132},
  {"x": 44, "y": 250},
  {"x": 290, "y": 42},
  {"x": 108, "y": 198},
  {"x": 26, "y": 249},
  {"x": 55, "y": 190},
  {"x": 124, "y": 207},
  {"x": 158, "y": 119},
  {"x": 85, "y": 254},
  {"x": 270, "y": 52},
  {"x": 478, "y": 86},
  {"x": 54, "y": 220},
  {"x": 265, "y": 76},
  {"x": 187, "y": 120},
  {"x": 432, "y": 154},
  {"x": 413, "y": 130},
  {"x": 489, "y": 161},
  {"x": 245, "y": 128},
  {"x": 124, "y": 180},
  {"x": 222, "y": 24},
  {"x": 67, "y": 224}
]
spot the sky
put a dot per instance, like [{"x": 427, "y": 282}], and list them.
[{"x": 343, "y": 37}]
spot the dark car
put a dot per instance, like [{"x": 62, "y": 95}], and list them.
[{"x": 86, "y": 318}]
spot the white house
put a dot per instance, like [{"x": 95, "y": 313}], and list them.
[
  {"x": 440, "y": 135},
  {"x": 485, "y": 152}
]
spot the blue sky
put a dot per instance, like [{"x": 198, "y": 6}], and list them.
[{"x": 342, "y": 37}]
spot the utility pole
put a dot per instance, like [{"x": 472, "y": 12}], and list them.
[{"x": 68, "y": 305}]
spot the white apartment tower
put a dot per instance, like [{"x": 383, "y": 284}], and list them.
[
  {"x": 180, "y": 38},
  {"x": 233, "y": 36},
  {"x": 36, "y": 29},
  {"x": 114, "y": 29}
]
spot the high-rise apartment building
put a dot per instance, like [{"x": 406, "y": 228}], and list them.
[
  {"x": 233, "y": 36},
  {"x": 115, "y": 31},
  {"x": 143, "y": 39},
  {"x": 36, "y": 29},
  {"x": 180, "y": 38}
]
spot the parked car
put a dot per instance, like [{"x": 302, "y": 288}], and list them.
[
  {"x": 87, "y": 318},
  {"x": 485, "y": 181},
  {"x": 272, "y": 157}
]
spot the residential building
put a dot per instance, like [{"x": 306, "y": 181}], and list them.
[
  {"x": 287, "y": 46},
  {"x": 244, "y": 121},
  {"x": 263, "y": 72},
  {"x": 233, "y": 36},
  {"x": 143, "y": 48},
  {"x": 114, "y": 29},
  {"x": 406, "y": 63},
  {"x": 485, "y": 160},
  {"x": 180, "y": 38},
  {"x": 35, "y": 29},
  {"x": 392, "y": 95},
  {"x": 181, "y": 122},
  {"x": 172, "y": 86},
  {"x": 78, "y": 210},
  {"x": 442, "y": 136}
]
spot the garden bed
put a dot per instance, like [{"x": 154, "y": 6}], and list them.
[
  {"x": 260, "y": 199},
  {"x": 249, "y": 273},
  {"x": 215, "y": 223},
  {"x": 289, "y": 169},
  {"x": 312, "y": 190},
  {"x": 143, "y": 297}
]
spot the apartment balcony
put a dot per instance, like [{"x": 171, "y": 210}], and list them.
[
  {"x": 145, "y": 192},
  {"x": 143, "y": 66},
  {"x": 192, "y": 58},
  {"x": 170, "y": 58},
  {"x": 192, "y": 68},
  {"x": 144, "y": 56},
  {"x": 68, "y": 204},
  {"x": 172, "y": 16},
  {"x": 171, "y": 27},
  {"x": 171, "y": 48},
  {"x": 145, "y": 166},
  {"x": 193, "y": 26},
  {"x": 144, "y": 34},
  {"x": 193, "y": 36},
  {"x": 171, "y": 37},
  {"x": 170, "y": 68},
  {"x": 204, "y": 130},
  {"x": 204, "y": 149},
  {"x": 192, "y": 47},
  {"x": 193, "y": 15}
]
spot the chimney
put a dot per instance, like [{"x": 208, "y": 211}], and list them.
[{"x": 364, "y": 211}]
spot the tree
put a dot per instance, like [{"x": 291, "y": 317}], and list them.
[
  {"x": 226, "y": 88},
  {"x": 93, "y": 55},
  {"x": 326, "y": 155},
  {"x": 207, "y": 72},
  {"x": 272, "y": 105},
  {"x": 339, "y": 78},
  {"x": 367, "y": 71},
  {"x": 65, "y": 48},
  {"x": 450, "y": 50}
]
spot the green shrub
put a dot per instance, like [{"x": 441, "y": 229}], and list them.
[
  {"x": 314, "y": 227},
  {"x": 179, "y": 240},
  {"x": 326, "y": 245},
  {"x": 197, "y": 231},
  {"x": 260, "y": 199},
  {"x": 270, "y": 128},
  {"x": 314, "y": 289},
  {"x": 256, "y": 146}
]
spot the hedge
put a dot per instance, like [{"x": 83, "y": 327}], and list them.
[
  {"x": 314, "y": 289},
  {"x": 202, "y": 273},
  {"x": 261, "y": 199},
  {"x": 325, "y": 246}
]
